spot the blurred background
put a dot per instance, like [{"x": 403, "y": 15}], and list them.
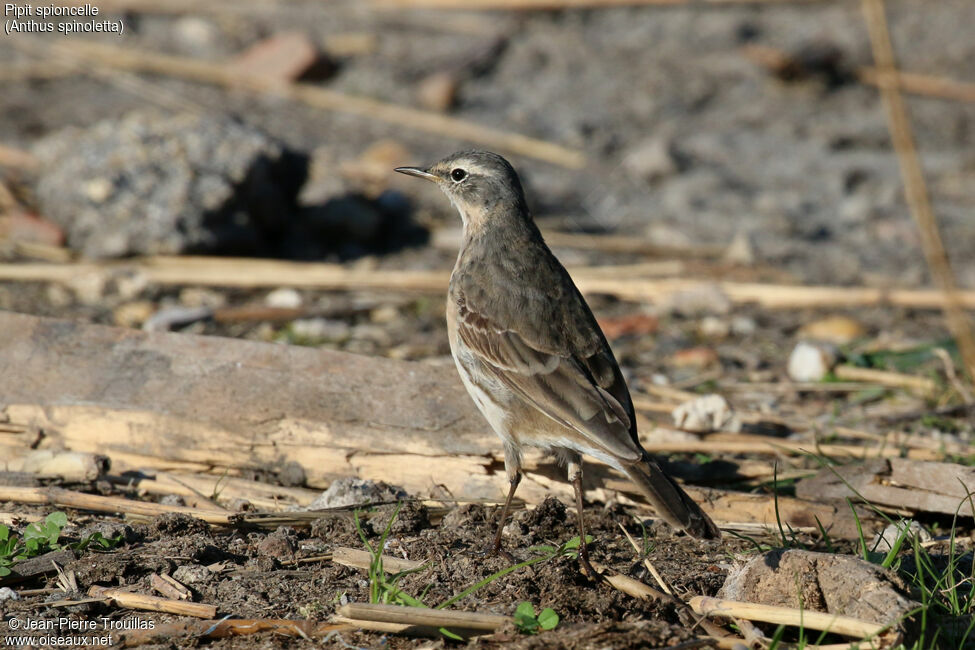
[{"x": 739, "y": 140}]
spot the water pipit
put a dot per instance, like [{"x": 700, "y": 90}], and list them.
[{"x": 529, "y": 350}]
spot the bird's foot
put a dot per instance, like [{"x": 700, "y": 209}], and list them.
[{"x": 587, "y": 568}]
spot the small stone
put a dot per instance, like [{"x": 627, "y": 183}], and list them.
[
  {"x": 198, "y": 297},
  {"x": 740, "y": 250},
  {"x": 170, "y": 317},
  {"x": 697, "y": 357},
  {"x": 346, "y": 492},
  {"x": 706, "y": 414},
  {"x": 320, "y": 329},
  {"x": 239, "y": 504},
  {"x": 58, "y": 295},
  {"x": 98, "y": 190},
  {"x": 743, "y": 326},
  {"x": 437, "y": 92},
  {"x": 810, "y": 361},
  {"x": 280, "y": 544},
  {"x": 6, "y": 593},
  {"x": 133, "y": 314},
  {"x": 712, "y": 327},
  {"x": 885, "y": 540},
  {"x": 195, "y": 34},
  {"x": 88, "y": 287},
  {"x": 373, "y": 333},
  {"x": 283, "y": 298},
  {"x": 835, "y": 329},
  {"x": 292, "y": 474},
  {"x": 651, "y": 159},
  {"x": 172, "y": 500},
  {"x": 699, "y": 301},
  {"x": 384, "y": 314},
  {"x": 286, "y": 56},
  {"x": 192, "y": 574},
  {"x": 130, "y": 284}
]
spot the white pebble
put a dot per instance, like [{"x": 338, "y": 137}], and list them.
[{"x": 810, "y": 361}]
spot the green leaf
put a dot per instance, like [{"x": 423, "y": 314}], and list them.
[
  {"x": 4, "y": 533},
  {"x": 548, "y": 619},
  {"x": 525, "y": 610},
  {"x": 450, "y": 635},
  {"x": 58, "y": 519},
  {"x": 571, "y": 547},
  {"x": 525, "y": 619}
]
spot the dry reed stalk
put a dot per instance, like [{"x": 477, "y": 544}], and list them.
[
  {"x": 922, "y": 385},
  {"x": 12, "y": 157},
  {"x": 845, "y": 625},
  {"x": 741, "y": 443},
  {"x": 253, "y": 273},
  {"x": 133, "y": 600},
  {"x": 915, "y": 189},
  {"x": 70, "y": 499},
  {"x": 920, "y": 84},
  {"x": 423, "y": 617},
  {"x": 169, "y": 587},
  {"x": 360, "y": 559}
]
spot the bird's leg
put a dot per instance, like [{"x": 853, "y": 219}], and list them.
[
  {"x": 514, "y": 480},
  {"x": 575, "y": 475}
]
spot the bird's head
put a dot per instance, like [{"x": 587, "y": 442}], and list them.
[{"x": 480, "y": 184}]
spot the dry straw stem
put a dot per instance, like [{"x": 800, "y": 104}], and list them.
[
  {"x": 915, "y": 189},
  {"x": 922, "y": 385},
  {"x": 134, "y": 60},
  {"x": 360, "y": 559},
  {"x": 253, "y": 273},
  {"x": 919, "y": 84},
  {"x": 422, "y": 617},
  {"x": 153, "y": 603},
  {"x": 646, "y": 561},
  {"x": 743, "y": 443},
  {"x": 169, "y": 587},
  {"x": 18, "y": 158},
  {"x": 197, "y": 486},
  {"x": 69, "y": 499},
  {"x": 845, "y": 625}
]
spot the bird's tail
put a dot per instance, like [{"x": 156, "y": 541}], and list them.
[{"x": 670, "y": 501}]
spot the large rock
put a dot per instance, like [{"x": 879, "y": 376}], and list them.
[
  {"x": 154, "y": 184},
  {"x": 822, "y": 582}
]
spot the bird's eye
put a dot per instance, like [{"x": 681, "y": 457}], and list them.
[{"x": 458, "y": 175}]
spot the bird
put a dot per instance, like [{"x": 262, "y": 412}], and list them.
[{"x": 530, "y": 352}]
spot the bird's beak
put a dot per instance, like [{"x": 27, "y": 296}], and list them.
[{"x": 416, "y": 171}]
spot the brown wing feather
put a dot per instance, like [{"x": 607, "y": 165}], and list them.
[{"x": 584, "y": 392}]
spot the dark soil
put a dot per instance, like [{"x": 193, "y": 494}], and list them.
[{"x": 256, "y": 574}]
